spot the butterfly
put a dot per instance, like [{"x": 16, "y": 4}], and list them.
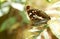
[{"x": 37, "y": 16}]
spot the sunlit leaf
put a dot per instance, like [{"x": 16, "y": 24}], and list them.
[
  {"x": 49, "y": 0},
  {"x": 17, "y": 6},
  {"x": 2, "y": 1}
]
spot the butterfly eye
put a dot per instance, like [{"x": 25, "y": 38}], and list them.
[{"x": 27, "y": 7}]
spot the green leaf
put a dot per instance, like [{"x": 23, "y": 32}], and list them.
[
  {"x": 49, "y": 0},
  {"x": 2, "y": 1},
  {"x": 7, "y": 23},
  {"x": 25, "y": 17}
]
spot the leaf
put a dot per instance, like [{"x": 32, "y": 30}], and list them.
[
  {"x": 25, "y": 17},
  {"x": 49, "y": 0},
  {"x": 18, "y": 6},
  {"x": 2, "y": 1},
  {"x": 7, "y": 23}
]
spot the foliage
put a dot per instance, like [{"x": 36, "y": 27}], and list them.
[
  {"x": 20, "y": 5},
  {"x": 5, "y": 9},
  {"x": 7, "y": 23}
]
